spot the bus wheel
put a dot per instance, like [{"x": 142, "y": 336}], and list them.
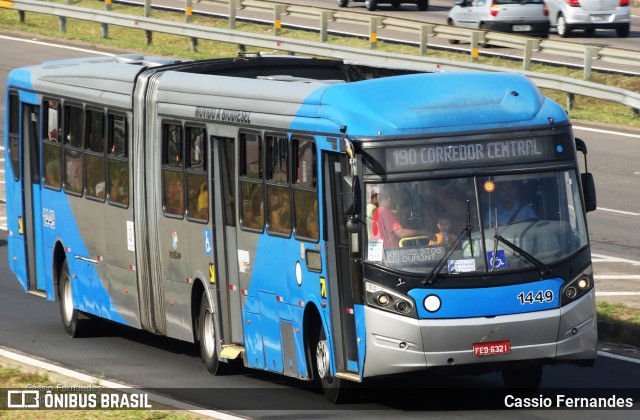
[
  {"x": 208, "y": 338},
  {"x": 525, "y": 377},
  {"x": 335, "y": 389},
  {"x": 74, "y": 324}
]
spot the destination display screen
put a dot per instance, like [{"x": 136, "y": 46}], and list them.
[{"x": 409, "y": 158}]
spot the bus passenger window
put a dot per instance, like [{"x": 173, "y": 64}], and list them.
[
  {"x": 73, "y": 171},
  {"x": 305, "y": 194},
  {"x": 14, "y": 130},
  {"x": 73, "y": 126},
  {"x": 172, "y": 140},
  {"x": 118, "y": 135},
  {"x": 51, "y": 165},
  {"x": 251, "y": 183},
  {"x": 173, "y": 193},
  {"x": 118, "y": 164},
  {"x": 197, "y": 186},
  {"x": 96, "y": 182},
  {"x": 278, "y": 195},
  {"x": 51, "y": 121}
]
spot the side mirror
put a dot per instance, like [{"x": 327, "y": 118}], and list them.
[
  {"x": 350, "y": 195},
  {"x": 589, "y": 191}
]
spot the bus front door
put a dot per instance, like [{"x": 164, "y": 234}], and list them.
[
  {"x": 31, "y": 197},
  {"x": 342, "y": 271}
]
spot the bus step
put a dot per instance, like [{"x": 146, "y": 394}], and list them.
[
  {"x": 38, "y": 293},
  {"x": 348, "y": 376},
  {"x": 231, "y": 351}
]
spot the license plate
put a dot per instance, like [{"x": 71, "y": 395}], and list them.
[
  {"x": 521, "y": 28},
  {"x": 600, "y": 18},
  {"x": 492, "y": 348}
]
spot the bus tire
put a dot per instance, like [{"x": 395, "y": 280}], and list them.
[
  {"x": 75, "y": 324},
  {"x": 522, "y": 377},
  {"x": 336, "y": 390},
  {"x": 208, "y": 338}
]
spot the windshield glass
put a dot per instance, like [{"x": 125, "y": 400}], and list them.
[{"x": 462, "y": 223}]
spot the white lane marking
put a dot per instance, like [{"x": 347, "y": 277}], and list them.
[
  {"x": 617, "y": 293},
  {"x": 113, "y": 385},
  {"x": 48, "y": 44},
  {"x": 606, "y": 258},
  {"x": 617, "y": 277},
  {"x": 630, "y": 213},
  {"x": 615, "y": 133},
  {"x": 615, "y": 356}
]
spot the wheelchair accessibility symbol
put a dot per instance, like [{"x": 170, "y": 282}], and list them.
[{"x": 499, "y": 261}]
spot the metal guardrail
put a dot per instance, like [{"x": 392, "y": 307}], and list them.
[{"x": 420, "y": 63}]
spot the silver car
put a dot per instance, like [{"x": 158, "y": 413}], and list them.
[
  {"x": 589, "y": 15},
  {"x": 524, "y": 17}
]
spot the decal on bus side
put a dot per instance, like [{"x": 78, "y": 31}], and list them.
[{"x": 49, "y": 218}]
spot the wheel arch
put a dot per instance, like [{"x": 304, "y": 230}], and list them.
[
  {"x": 196, "y": 294},
  {"x": 59, "y": 256}
]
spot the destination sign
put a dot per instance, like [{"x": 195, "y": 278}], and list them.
[{"x": 442, "y": 156}]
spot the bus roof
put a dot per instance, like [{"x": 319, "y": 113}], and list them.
[{"x": 310, "y": 94}]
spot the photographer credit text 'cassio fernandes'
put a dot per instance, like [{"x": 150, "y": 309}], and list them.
[{"x": 564, "y": 401}]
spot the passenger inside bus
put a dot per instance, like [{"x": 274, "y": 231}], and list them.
[
  {"x": 387, "y": 226},
  {"x": 509, "y": 207},
  {"x": 174, "y": 197},
  {"x": 443, "y": 236},
  {"x": 312, "y": 221},
  {"x": 279, "y": 215}
]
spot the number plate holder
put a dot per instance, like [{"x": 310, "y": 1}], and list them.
[
  {"x": 492, "y": 348},
  {"x": 521, "y": 28}
]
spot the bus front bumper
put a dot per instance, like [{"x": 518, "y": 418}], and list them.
[{"x": 397, "y": 344}]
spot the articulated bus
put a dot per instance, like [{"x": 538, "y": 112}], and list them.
[{"x": 322, "y": 219}]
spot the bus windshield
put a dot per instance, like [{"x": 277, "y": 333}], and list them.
[{"x": 475, "y": 224}]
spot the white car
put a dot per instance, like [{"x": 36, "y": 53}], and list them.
[
  {"x": 524, "y": 17},
  {"x": 589, "y": 15}
]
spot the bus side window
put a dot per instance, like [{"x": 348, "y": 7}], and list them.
[
  {"x": 14, "y": 130},
  {"x": 94, "y": 156},
  {"x": 305, "y": 184},
  {"x": 277, "y": 178},
  {"x": 172, "y": 169},
  {"x": 197, "y": 185},
  {"x": 251, "y": 183},
  {"x": 51, "y": 147},
  {"x": 118, "y": 163},
  {"x": 73, "y": 156}
]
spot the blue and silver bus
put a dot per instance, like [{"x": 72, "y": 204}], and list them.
[{"x": 322, "y": 219}]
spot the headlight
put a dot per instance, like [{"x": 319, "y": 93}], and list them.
[
  {"x": 380, "y": 297},
  {"x": 577, "y": 287}
]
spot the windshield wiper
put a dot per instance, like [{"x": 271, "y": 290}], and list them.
[
  {"x": 466, "y": 232},
  {"x": 533, "y": 260}
]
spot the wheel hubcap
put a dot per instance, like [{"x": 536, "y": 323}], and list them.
[
  {"x": 68, "y": 300},
  {"x": 208, "y": 334},
  {"x": 322, "y": 357}
]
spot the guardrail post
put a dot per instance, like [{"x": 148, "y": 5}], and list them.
[
  {"x": 147, "y": 13},
  {"x": 233, "y": 6},
  {"x": 571, "y": 100},
  {"x": 277, "y": 18},
  {"x": 21, "y": 16},
  {"x": 425, "y": 32},
  {"x": 324, "y": 24},
  {"x": 105, "y": 27},
  {"x": 589, "y": 54},
  {"x": 63, "y": 19},
  {"x": 374, "y": 22},
  {"x": 475, "y": 41},
  {"x": 526, "y": 56},
  {"x": 188, "y": 15}
]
